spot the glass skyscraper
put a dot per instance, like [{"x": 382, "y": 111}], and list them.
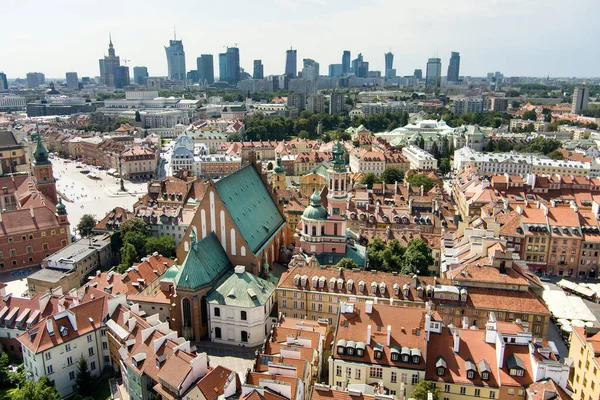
[
  {"x": 223, "y": 67},
  {"x": 433, "y": 74},
  {"x": 453, "y": 67},
  {"x": 291, "y": 63},
  {"x": 346, "y": 62},
  {"x": 176, "y": 60},
  {"x": 206, "y": 69},
  {"x": 233, "y": 65}
]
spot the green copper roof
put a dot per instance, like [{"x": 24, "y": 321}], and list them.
[
  {"x": 315, "y": 210},
  {"x": 279, "y": 168},
  {"x": 40, "y": 154},
  {"x": 171, "y": 274},
  {"x": 60, "y": 207},
  {"x": 241, "y": 290},
  {"x": 251, "y": 207},
  {"x": 339, "y": 163},
  {"x": 205, "y": 263}
]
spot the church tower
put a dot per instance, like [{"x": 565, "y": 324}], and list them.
[
  {"x": 279, "y": 176},
  {"x": 42, "y": 170},
  {"x": 337, "y": 193}
]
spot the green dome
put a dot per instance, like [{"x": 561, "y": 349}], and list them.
[
  {"x": 315, "y": 210},
  {"x": 60, "y": 208},
  {"x": 279, "y": 168}
]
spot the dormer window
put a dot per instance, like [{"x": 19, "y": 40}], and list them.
[
  {"x": 485, "y": 376},
  {"x": 378, "y": 354},
  {"x": 470, "y": 374},
  {"x": 341, "y": 345},
  {"x": 441, "y": 371},
  {"x": 516, "y": 372}
]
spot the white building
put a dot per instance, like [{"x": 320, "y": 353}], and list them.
[
  {"x": 367, "y": 162},
  {"x": 419, "y": 158},
  {"x": 182, "y": 157},
  {"x": 54, "y": 345},
  {"x": 466, "y": 105},
  {"x": 240, "y": 309},
  {"x": 12, "y": 103}
]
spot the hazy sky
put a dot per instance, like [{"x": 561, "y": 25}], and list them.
[{"x": 518, "y": 38}]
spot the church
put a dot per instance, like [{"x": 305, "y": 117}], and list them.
[{"x": 33, "y": 220}]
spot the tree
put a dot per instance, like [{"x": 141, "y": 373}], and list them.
[
  {"x": 444, "y": 166},
  {"x": 556, "y": 155},
  {"x": 134, "y": 225},
  {"x": 346, "y": 263},
  {"x": 417, "y": 258},
  {"x": 270, "y": 166},
  {"x": 83, "y": 379},
  {"x": 369, "y": 179},
  {"x": 138, "y": 117},
  {"x": 387, "y": 258},
  {"x": 138, "y": 240},
  {"x": 43, "y": 389},
  {"x": 435, "y": 152},
  {"x": 4, "y": 362},
  {"x": 404, "y": 118},
  {"x": 128, "y": 257},
  {"x": 418, "y": 180},
  {"x": 423, "y": 388},
  {"x": 164, "y": 245},
  {"x": 530, "y": 115},
  {"x": 303, "y": 135},
  {"x": 234, "y": 137},
  {"x": 86, "y": 224},
  {"x": 391, "y": 175}
]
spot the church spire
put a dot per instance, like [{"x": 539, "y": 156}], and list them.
[{"x": 40, "y": 154}]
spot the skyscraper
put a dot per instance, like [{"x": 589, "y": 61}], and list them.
[
  {"x": 258, "y": 70},
  {"x": 433, "y": 75},
  {"x": 176, "y": 60},
  {"x": 72, "y": 80},
  {"x": 206, "y": 69},
  {"x": 35, "y": 79},
  {"x": 3, "y": 81},
  {"x": 335, "y": 70},
  {"x": 291, "y": 63},
  {"x": 360, "y": 67},
  {"x": 121, "y": 76},
  {"x": 140, "y": 75},
  {"x": 580, "y": 99},
  {"x": 108, "y": 65},
  {"x": 453, "y": 67},
  {"x": 310, "y": 70},
  {"x": 233, "y": 65},
  {"x": 336, "y": 103},
  {"x": 418, "y": 74},
  {"x": 346, "y": 62},
  {"x": 222, "y": 67},
  {"x": 389, "y": 65}
]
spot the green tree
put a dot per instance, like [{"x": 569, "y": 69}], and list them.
[
  {"x": 423, "y": 388},
  {"x": 418, "y": 180},
  {"x": 404, "y": 119},
  {"x": 444, "y": 166},
  {"x": 164, "y": 245},
  {"x": 138, "y": 240},
  {"x": 303, "y": 135},
  {"x": 138, "y": 117},
  {"x": 43, "y": 389},
  {"x": 83, "y": 379},
  {"x": 435, "y": 152},
  {"x": 134, "y": 225},
  {"x": 556, "y": 155},
  {"x": 369, "y": 179},
  {"x": 4, "y": 362},
  {"x": 86, "y": 224},
  {"x": 391, "y": 175},
  {"x": 417, "y": 258},
  {"x": 116, "y": 241},
  {"x": 128, "y": 256},
  {"x": 270, "y": 166},
  {"x": 530, "y": 115},
  {"x": 234, "y": 137},
  {"x": 346, "y": 263}
]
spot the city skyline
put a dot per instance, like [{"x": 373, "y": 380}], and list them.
[{"x": 509, "y": 50}]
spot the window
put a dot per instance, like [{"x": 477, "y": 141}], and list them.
[
  {"x": 477, "y": 392},
  {"x": 69, "y": 360},
  {"x": 447, "y": 388},
  {"x": 404, "y": 378},
  {"x": 492, "y": 394},
  {"x": 375, "y": 372},
  {"x": 93, "y": 365},
  {"x": 415, "y": 379},
  {"x": 89, "y": 338},
  {"x": 244, "y": 316},
  {"x": 441, "y": 371},
  {"x": 463, "y": 390},
  {"x": 394, "y": 377},
  {"x": 378, "y": 354},
  {"x": 511, "y": 391},
  {"x": 72, "y": 375},
  {"x": 49, "y": 369},
  {"x": 217, "y": 312},
  {"x": 29, "y": 249},
  {"x": 521, "y": 392},
  {"x": 48, "y": 356},
  {"x": 516, "y": 372},
  {"x": 104, "y": 345},
  {"x": 244, "y": 336},
  {"x": 218, "y": 332},
  {"x": 485, "y": 375},
  {"x": 357, "y": 373},
  {"x": 348, "y": 372},
  {"x": 470, "y": 374},
  {"x": 338, "y": 371},
  {"x": 91, "y": 351},
  {"x": 67, "y": 347}
]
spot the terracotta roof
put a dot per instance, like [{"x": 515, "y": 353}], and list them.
[
  {"x": 212, "y": 384},
  {"x": 326, "y": 393},
  {"x": 540, "y": 390},
  {"x": 113, "y": 219}
]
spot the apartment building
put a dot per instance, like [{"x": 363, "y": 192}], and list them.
[
  {"x": 419, "y": 158},
  {"x": 583, "y": 350},
  {"x": 367, "y": 162}
]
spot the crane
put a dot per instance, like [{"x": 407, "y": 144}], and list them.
[{"x": 125, "y": 61}]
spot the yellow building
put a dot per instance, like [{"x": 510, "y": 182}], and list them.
[
  {"x": 317, "y": 178},
  {"x": 585, "y": 353},
  {"x": 13, "y": 156}
]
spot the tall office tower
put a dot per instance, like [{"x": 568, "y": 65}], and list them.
[
  {"x": 498, "y": 76},
  {"x": 433, "y": 75},
  {"x": 72, "y": 80},
  {"x": 140, "y": 75},
  {"x": 233, "y": 65},
  {"x": 258, "y": 72},
  {"x": 192, "y": 76},
  {"x": 108, "y": 65},
  {"x": 291, "y": 63},
  {"x": 335, "y": 70},
  {"x": 121, "y": 76},
  {"x": 176, "y": 60},
  {"x": 336, "y": 103},
  {"x": 356, "y": 62},
  {"x": 206, "y": 69},
  {"x": 490, "y": 76},
  {"x": 360, "y": 67},
  {"x": 418, "y": 74},
  {"x": 3, "y": 81},
  {"x": 346, "y": 62},
  {"x": 222, "y": 67},
  {"x": 389, "y": 65},
  {"x": 310, "y": 70},
  {"x": 35, "y": 79},
  {"x": 453, "y": 67},
  {"x": 580, "y": 99}
]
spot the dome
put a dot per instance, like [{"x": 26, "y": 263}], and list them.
[
  {"x": 315, "y": 210},
  {"x": 52, "y": 90},
  {"x": 60, "y": 208}
]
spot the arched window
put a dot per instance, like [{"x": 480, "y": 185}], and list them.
[
  {"x": 244, "y": 336},
  {"x": 187, "y": 313},
  {"x": 323, "y": 230},
  {"x": 244, "y": 316},
  {"x": 335, "y": 229},
  {"x": 204, "y": 310},
  {"x": 217, "y": 333},
  {"x": 314, "y": 230},
  {"x": 306, "y": 229}
]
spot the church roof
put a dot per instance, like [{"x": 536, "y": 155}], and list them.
[
  {"x": 250, "y": 205},
  {"x": 205, "y": 263},
  {"x": 40, "y": 154},
  {"x": 242, "y": 290}
]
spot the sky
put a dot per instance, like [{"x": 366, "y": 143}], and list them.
[{"x": 517, "y": 38}]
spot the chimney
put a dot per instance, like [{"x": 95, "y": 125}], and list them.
[
  {"x": 369, "y": 306},
  {"x": 389, "y": 335},
  {"x": 368, "y": 335},
  {"x": 31, "y": 212},
  {"x": 456, "y": 336},
  {"x": 49, "y": 326},
  {"x": 240, "y": 269}
]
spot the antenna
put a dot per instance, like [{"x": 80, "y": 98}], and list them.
[
  {"x": 174, "y": 33},
  {"x": 109, "y": 37}
]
